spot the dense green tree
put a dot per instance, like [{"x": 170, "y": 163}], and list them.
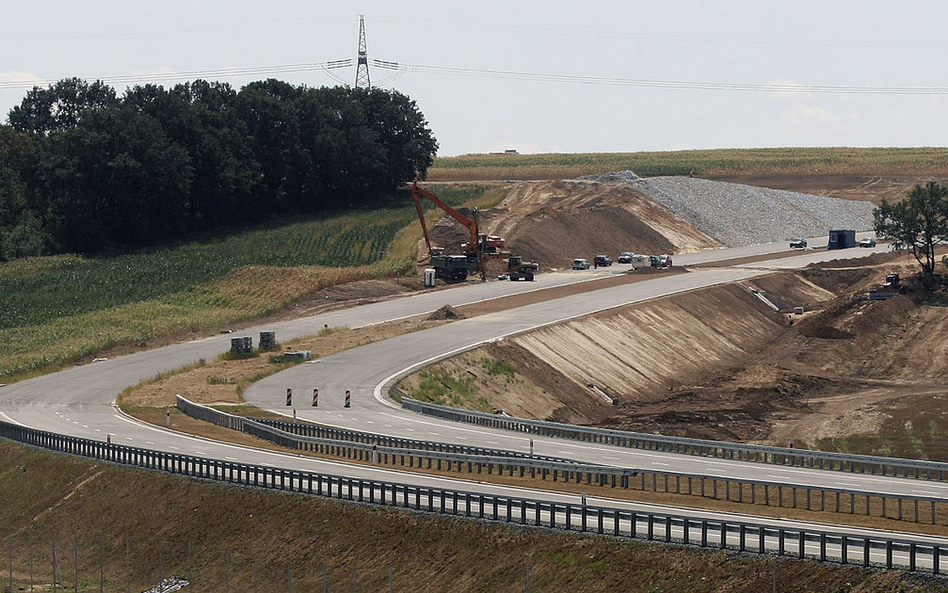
[
  {"x": 917, "y": 223},
  {"x": 82, "y": 169},
  {"x": 61, "y": 106},
  {"x": 21, "y": 232},
  {"x": 115, "y": 180}
]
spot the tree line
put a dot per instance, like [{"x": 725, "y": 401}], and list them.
[
  {"x": 83, "y": 169},
  {"x": 918, "y": 224}
]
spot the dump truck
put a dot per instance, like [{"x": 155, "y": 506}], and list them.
[{"x": 452, "y": 268}]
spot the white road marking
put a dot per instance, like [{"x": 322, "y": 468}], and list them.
[
  {"x": 149, "y": 443},
  {"x": 200, "y": 453},
  {"x": 659, "y": 463},
  {"x": 435, "y": 434},
  {"x": 11, "y": 420}
]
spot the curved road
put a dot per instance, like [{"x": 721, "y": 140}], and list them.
[{"x": 77, "y": 401}]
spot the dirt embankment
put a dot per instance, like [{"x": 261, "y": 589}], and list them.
[
  {"x": 552, "y": 222},
  {"x": 645, "y": 355},
  {"x": 720, "y": 363}
]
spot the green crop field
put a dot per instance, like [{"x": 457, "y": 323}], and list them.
[
  {"x": 59, "y": 309},
  {"x": 759, "y": 161}
]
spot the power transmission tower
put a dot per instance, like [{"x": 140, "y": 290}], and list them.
[{"x": 362, "y": 69}]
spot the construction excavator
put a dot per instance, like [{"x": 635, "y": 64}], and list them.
[{"x": 478, "y": 248}]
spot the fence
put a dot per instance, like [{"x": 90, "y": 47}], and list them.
[
  {"x": 708, "y": 533},
  {"x": 844, "y": 462},
  {"x": 783, "y": 495}
]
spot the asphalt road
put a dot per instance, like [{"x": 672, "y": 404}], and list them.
[{"x": 78, "y": 401}]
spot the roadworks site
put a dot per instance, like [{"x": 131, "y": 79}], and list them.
[{"x": 735, "y": 362}]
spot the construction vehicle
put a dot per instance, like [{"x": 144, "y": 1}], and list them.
[
  {"x": 478, "y": 248},
  {"x": 450, "y": 267},
  {"x": 891, "y": 288},
  {"x": 517, "y": 269}
]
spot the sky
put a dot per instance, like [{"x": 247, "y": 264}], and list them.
[{"x": 537, "y": 77}]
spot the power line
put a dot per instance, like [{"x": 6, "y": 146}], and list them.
[
  {"x": 778, "y": 87},
  {"x": 400, "y": 69},
  {"x": 193, "y": 74}
]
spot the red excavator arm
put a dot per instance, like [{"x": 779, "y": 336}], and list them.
[{"x": 471, "y": 224}]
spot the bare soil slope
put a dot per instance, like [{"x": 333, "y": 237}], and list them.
[
  {"x": 552, "y": 222},
  {"x": 849, "y": 374}
]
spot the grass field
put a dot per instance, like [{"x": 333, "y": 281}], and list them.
[
  {"x": 55, "y": 310},
  {"x": 87, "y": 511},
  {"x": 705, "y": 163}
]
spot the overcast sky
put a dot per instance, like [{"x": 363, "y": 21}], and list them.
[{"x": 579, "y": 67}]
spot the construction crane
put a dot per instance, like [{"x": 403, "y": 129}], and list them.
[{"x": 477, "y": 247}]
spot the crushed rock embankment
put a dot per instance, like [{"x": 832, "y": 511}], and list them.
[{"x": 738, "y": 215}]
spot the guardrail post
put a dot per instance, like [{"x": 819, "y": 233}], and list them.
[
  {"x": 888, "y": 553},
  {"x": 936, "y": 557},
  {"x": 843, "y": 549},
  {"x": 912, "y": 552},
  {"x": 704, "y": 533},
  {"x": 865, "y": 551}
]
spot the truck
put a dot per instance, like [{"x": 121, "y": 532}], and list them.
[{"x": 452, "y": 268}]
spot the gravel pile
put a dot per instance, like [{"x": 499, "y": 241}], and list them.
[{"x": 739, "y": 215}]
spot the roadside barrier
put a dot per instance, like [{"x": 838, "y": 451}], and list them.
[
  {"x": 460, "y": 459},
  {"x": 843, "y": 462},
  {"x": 858, "y": 549}
]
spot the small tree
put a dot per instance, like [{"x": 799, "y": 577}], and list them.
[{"x": 918, "y": 223}]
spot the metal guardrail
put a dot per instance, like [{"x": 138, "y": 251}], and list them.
[
  {"x": 844, "y": 462},
  {"x": 914, "y": 555},
  {"x": 357, "y": 436},
  {"x": 767, "y": 493}
]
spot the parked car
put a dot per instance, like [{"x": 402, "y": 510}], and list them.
[
  {"x": 580, "y": 264},
  {"x": 868, "y": 242},
  {"x": 798, "y": 244},
  {"x": 603, "y": 261},
  {"x": 626, "y": 257}
]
